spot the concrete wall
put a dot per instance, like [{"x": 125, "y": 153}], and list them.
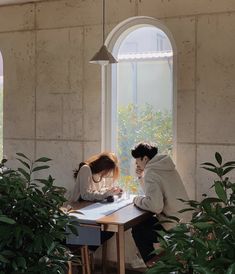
[{"x": 52, "y": 96}]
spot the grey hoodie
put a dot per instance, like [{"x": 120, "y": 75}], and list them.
[{"x": 162, "y": 187}]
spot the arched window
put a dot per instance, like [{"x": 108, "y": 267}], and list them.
[
  {"x": 1, "y": 106},
  {"x": 139, "y": 89}
]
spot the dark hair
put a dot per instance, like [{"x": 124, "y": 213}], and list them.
[
  {"x": 75, "y": 171},
  {"x": 104, "y": 164},
  {"x": 144, "y": 149}
]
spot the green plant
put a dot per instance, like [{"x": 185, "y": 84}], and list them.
[
  {"x": 205, "y": 245},
  {"x": 32, "y": 224},
  {"x": 142, "y": 124}
]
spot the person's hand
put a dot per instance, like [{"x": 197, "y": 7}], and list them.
[
  {"x": 115, "y": 191},
  {"x": 139, "y": 172}
]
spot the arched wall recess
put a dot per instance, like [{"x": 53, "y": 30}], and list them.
[{"x": 113, "y": 42}]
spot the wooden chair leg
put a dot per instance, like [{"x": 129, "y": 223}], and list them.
[
  {"x": 70, "y": 267},
  {"x": 83, "y": 260},
  {"x": 87, "y": 260}
]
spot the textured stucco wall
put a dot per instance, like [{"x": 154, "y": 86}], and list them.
[{"x": 52, "y": 95}]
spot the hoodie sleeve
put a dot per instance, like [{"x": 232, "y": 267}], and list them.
[
  {"x": 153, "y": 199},
  {"x": 86, "y": 186}
]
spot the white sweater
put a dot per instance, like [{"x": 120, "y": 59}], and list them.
[
  {"x": 162, "y": 187},
  {"x": 86, "y": 188}
]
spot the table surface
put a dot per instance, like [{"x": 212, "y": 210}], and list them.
[
  {"x": 126, "y": 215},
  {"x": 118, "y": 222}
]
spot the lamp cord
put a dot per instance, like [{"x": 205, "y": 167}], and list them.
[{"x": 103, "y": 21}]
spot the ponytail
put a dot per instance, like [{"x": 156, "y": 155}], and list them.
[{"x": 75, "y": 171}]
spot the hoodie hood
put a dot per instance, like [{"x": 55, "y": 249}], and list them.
[{"x": 161, "y": 162}]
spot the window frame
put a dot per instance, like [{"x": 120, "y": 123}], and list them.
[
  {"x": 113, "y": 41},
  {"x": 2, "y": 57}
]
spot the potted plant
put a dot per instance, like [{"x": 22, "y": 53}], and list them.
[
  {"x": 32, "y": 224},
  {"x": 205, "y": 245}
]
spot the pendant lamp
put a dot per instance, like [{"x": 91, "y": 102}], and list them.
[{"x": 103, "y": 56}]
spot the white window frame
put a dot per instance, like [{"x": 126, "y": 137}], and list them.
[
  {"x": 3, "y": 104},
  {"x": 113, "y": 42}
]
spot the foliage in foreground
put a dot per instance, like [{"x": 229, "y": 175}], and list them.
[
  {"x": 206, "y": 245},
  {"x": 32, "y": 225}
]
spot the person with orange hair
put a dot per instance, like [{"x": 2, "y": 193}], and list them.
[{"x": 90, "y": 175}]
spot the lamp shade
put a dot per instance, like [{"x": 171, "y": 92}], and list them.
[{"x": 103, "y": 57}]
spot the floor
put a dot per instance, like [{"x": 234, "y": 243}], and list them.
[
  {"x": 97, "y": 270},
  {"x": 113, "y": 271}
]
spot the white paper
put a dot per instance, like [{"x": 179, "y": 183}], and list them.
[{"x": 95, "y": 211}]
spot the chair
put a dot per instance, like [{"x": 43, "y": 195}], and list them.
[{"x": 85, "y": 261}]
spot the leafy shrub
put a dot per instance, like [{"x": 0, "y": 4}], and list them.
[
  {"x": 206, "y": 245},
  {"x": 32, "y": 225},
  {"x": 144, "y": 124}
]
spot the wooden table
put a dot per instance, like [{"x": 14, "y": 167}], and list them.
[{"x": 118, "y": 222}]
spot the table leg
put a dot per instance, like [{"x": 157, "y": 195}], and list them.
[
  {"x": 120, "y": 239},
  {"x": 104, "y": 253}
]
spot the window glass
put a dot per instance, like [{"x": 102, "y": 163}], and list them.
[{"x": 144, "y": 94}]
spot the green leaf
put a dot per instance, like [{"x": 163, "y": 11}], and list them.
[
  {"x": 219, "y": 171},
  {"x": 231, "y": 269},
  {"x": 24, "y": 173},
  {"x": 173, "y": 218},
  {"x": 42, "y": 181},
  {"x": 37, "y": 244},
  {"x": 220, "y": 191},
  {"x": 14, "y": 265},
  {"x": 3, "y": 259},
  {"x": 208, "y": 164},
  {"x": 203, "y": 225},
  {"x": 210, "y": 169},
  {"x": 48, "y": 240},
  {"x": 4, "y": 160},
  {"x": 7, "y": 220},
  {"x": 40, "y": 168},
  {"x": 22, "y": 155},
  {"x": 73, "y": 229},
  {"x": 182, "y": 200},
  {"x": 43, "y": 160},
  {"x": 200, "y": 242},
  {"x": 218, "y": 158},
  {"x": 203, "y": 270},
  {"x": 210, "y": 200},
  {"x": 226, "y": 170},
  {"x": 231, "y": 163},
  {"x": 24, "y": 163},
  {"x": 186, "y": 209},
  {"x": 8, "y": 253},
  {"x": 21, "y": 262}
]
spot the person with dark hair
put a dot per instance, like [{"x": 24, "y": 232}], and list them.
[
  {"x": 162, "y": 187},
  {"x": 91, "y": 173},
  {"x": 89, "y": 177}
]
